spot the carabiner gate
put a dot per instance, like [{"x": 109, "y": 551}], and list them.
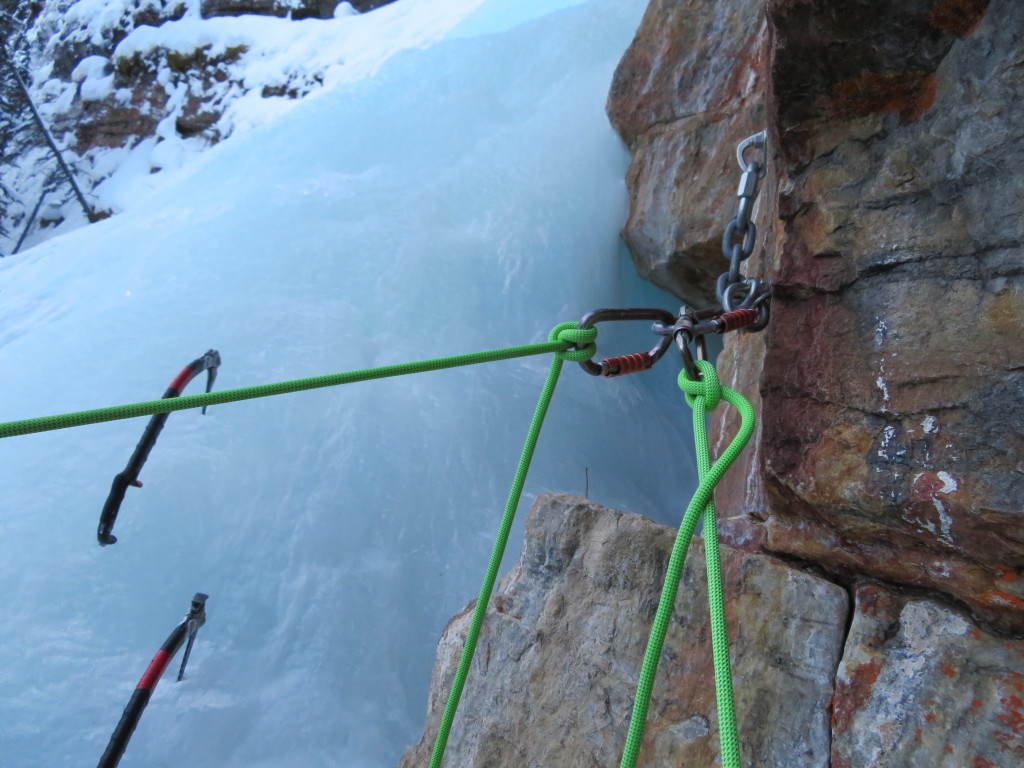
[
  {"x": 759, "y": 141},
  {"x": 641, "y": 361}
]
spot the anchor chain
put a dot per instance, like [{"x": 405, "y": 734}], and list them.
[{"x": 733, "y": 290}]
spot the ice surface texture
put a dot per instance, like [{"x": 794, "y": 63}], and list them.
[{"x": 466, "y": 196}]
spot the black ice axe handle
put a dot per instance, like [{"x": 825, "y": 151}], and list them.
[
  {"x": 209, "y": 362},
  {"x": 186, "y": 630}
]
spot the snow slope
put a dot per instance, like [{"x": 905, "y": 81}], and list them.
[
  {"x": 466, "y": 195},
  {"x": 305, "y": 57}
]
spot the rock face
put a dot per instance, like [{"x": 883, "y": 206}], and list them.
[
  {"x": 891, "y": 376},
  {"x": 894, "y": 371},
  {"x": 298, "y": 9},
  {"x": 920, "y": 685},
  {"x": 681, "y": 102},
  {"x": 559, "y": 655}
]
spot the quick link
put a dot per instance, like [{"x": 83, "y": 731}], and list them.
[{"x": 691, "y": 327}]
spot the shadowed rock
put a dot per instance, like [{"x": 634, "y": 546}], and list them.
[
  {"x": 690, "y": 87},
  {"x": 894, "y": 371}
]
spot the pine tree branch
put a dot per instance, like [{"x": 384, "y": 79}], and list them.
[{"x": 46, "y": 133}]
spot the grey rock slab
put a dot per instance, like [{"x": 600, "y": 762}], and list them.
[
  {"x": 922, "y": 686},
  {"x": 556, "y": 667}
]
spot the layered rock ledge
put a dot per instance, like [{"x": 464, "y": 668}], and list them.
[{"x": 903, "y": 681}]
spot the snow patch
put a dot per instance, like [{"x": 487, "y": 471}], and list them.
[
  {"x": 887, "y": 435},
  {"x": 96, "y": 89},
  {"x": 880, "y": 383},
  {"x": 949, "y": 483},
  {"x": 945, "y": 522},
  {"x": 881, "y": 331},
  {"x": 90, "y": 66},
  {"x": 300, "y": 58}
]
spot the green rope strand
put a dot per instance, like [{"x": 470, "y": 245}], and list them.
[
  {"x": 727, "y": 736},
  {"x": 113, "y": 413},
  {"x": 703, "y": 396},
  {"x": 567, "y": 332}
]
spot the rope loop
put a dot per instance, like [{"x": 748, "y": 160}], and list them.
[
  {"x": 584, "y": 338},
  {"x": 702, "y": 396},
  {"x": 708, "y": 387}
]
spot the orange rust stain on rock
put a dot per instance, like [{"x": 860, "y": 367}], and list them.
[
  {"x": 917, "y": 734},
  {"x": 926, "y": 485},
  {"x": 997, "y": 599},
  {"x": 958, "y": 17},
  {"x": 870, "y": 599},
  {"x": 850, "y": 697},
  {"x": 949, "y": 672},
  {"x": 930, "y": 717},
  {"x": 836, "y": 464},
  {"x": 948, "y": 749},
  {"x": 976, "y": 704},
  {"x": 974, "y": 633},
  {"x": 1016, "y": 679},
  {"x": 1005, "y": 573},
  {"x": 1012, "y": 717},
  {"x": 925, "y": 99},
  {"x": 910, "y": 94},
  {"x": 981, "y": 762}
]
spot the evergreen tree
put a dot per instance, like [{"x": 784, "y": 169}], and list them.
[
  {"x": 15, "y": 122},
  {"x": 22, "y": 128}
]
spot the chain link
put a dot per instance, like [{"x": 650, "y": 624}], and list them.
[
  {"x": 743, "y": 301},
  {"x": 734, "y": 291}
]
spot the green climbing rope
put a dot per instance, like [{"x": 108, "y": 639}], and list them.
[
  {"x": 585, "y": 340},
  {"x": 148, "y": 408},
  {"x": 703, "y": 396},
  {"x": 567, "y": 342}
]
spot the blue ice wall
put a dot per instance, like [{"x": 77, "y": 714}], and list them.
[{"x": 468, "y": 196}]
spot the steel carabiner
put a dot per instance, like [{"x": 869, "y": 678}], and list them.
[
  {"x": 694, "y": 326},
  {"x": 641, "y": 361}
]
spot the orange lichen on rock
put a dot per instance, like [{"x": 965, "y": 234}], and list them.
[
  {"x": 910, "y": 94},
  {"x": 1012, "y": 717},
  {"x": 998, "y": 598},
  {"x": 1005, "y": 573},
  {"x": 851, "y": 695},
  {"x": 958, "y": 17}
]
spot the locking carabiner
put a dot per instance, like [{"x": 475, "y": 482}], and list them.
[{"x": 641, "y": 361}]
